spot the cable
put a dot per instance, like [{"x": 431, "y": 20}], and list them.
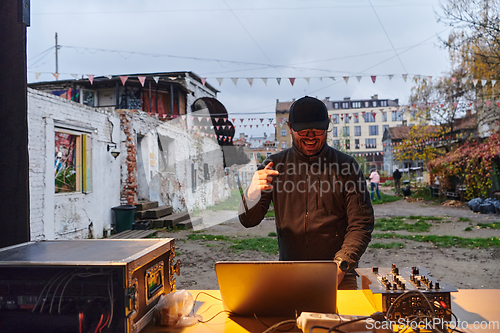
[
  {"x": 55, "y": 292},
  {"x": 318, "y": 326},
  {"x": 99, "y": 324},
  {"x": 43, "y": 290},
  {"x": 336, "y": 327},
  {"x": 268, "y": 326},
  {"x": 275, "y": 326},
  {"x": 218, "y": 313}
]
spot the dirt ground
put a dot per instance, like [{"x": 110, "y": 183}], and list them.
[{"x": 462, "y": 268}]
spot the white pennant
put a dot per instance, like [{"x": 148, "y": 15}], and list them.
[
  {"x": 37, "y": 75},
  {"x": 235, "y": 80},
  {"x": 75, "y": 76},
  {"x": 307, "y": 79},
  {"x": 405, "y": 76},
  {"x": 109, "y": 76},
  {"x": 346, "y": 79},
  {"x": 474, "y": 81},
  {"x": 493, "y": 83},
  {"x": 464, "y": 80},
  {"x": 278, "y": 79},
  {"x": 156, "y": 78},
  {"x": 332, "y": 77},
  {"x": 250, "y": 81},
  {"x": 390, "y": 77},
  {"x": 483, "y": 82},
  {"x": 265, "y": 80},
  {"x": 219, "y": 79},
  {"x": 359, "y": 78}
]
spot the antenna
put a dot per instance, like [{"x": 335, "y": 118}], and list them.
[{"x": 57, "y": 62}]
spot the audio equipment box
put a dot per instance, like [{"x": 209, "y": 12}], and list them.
[
  {"x": 382, "y": 287},
  {"x": 105, "y": 285}
]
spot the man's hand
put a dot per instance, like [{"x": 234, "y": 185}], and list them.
[
  {"x": 340, "y": 276},
  {"x": 261, "y": 181}
]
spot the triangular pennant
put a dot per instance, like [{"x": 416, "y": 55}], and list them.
[
  {"x": 241, "y": 119},
  {"x": 220, "y": 79},
  {"x": 454, "y": 79},
  {"x": 142, "y": 79},
  {"x": 75, "y": 76},
  {"x": 332, "y": 77},
  {"x": 225, "y": 119},
  {"x": 109, "y": 76},
  {"x": 292, "y": 80},
  {"x": 488, "y": 103},
  {"x": 235, "y": 80},
  {"x": 261, "y": 120},
  {"x": 56, "y": 75},
  {"x": 346, "y": 79},
  {"x": 474, "y": 81},
  {"x": 405, "y": 76},
  {"x": 250, "y": 81},
  {"x": 278, "y": 79},
  {"x": 203, "y": 80},
  {"x": 359, "y": 78},
  {"x": 91, "y": 78},
  {"x": 374, "y": 78},
  {"x": 483, "y": 82},
  {"x": 37, "y": 75},
  {"x": 464, "y": 80},
  {"x": 199, "y": 119},
  {"x": 493, "y": 83},
  {"x": 307, "y": 79},
  {"x": 390, "y": 77},
  {"x": 264, "y": 79},
  {"x": 123, "y": 78}
]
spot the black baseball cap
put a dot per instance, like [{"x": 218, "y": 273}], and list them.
[{"x": 308, "y": 112}]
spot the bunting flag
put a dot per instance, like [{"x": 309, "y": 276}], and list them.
[
  {"x": 235, "y": 80},
  {"x": 292, "y": 80},
  {"x": 219, "y": 79},
  {"x": 156, "y": 78},
  {"x": 493, "y": 83},
  {"x": 464, "y": 80},
  {"x": 75, "y": 76},
  {"x": 346, "y": 79},
  {"x": 453, "y": 79},
  {"x": 91, "y": 78},
  {"x": 483, "y": 82},
  {"x": 123, "y": 78},
  {"x": 307, "y": 79},
  {"x": 332, "y": 77},
  {"x": 37, "y": 75},
  {"x": 264, "y": 79},
  {"x": 359, "y": 78},
  {"x": 142, "y": 79},
  {"x": 203, "y": 80},
  {"x": 374, "y": 78},
  {"x": 250, "y": 81},
  {"x": 488, "y": 103},
  {"x": 405, "y": 76},
  {"x": 390, "y": 77},
  {"x": 474, "y": 81},
  {"x": 109, "y": 76},
  {"x": 56, "y": 75},
  {"x": 278, "y": 79}
]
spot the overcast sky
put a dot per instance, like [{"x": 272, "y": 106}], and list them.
[{"x": 246, "y": 39}]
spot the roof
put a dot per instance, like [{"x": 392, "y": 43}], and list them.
[
  {"x": 396, "y": 133},
  {"x": 110, "y": 82},
  {"x": 467, "y": 122},
  {"x": 283, "y": 106}
]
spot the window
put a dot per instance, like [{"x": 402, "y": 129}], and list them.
[
  {"x": 268, "y": 154},
  {"x": 193, "y": 178},
  {"x": 373, "y": 129},
  {"x": 371, "y": 143},
  {"x": 88, "y": 97},
  {"x": 166, "y": 149},
  {"x": 357, "y": 130},
  {"x": 72, "y": 162},
  {"x": 369, "y": 117},
  {"x": 356, "y": 144},
  {"x": 283, "y": 132},
  {"x": 345, "y": 105},
  {"x": 336, "y": 143},
  {"x": 374, "y": 103},
  {"x": 252, "y": 168},
  {"x": 206, "y": 171},
  {"x": 346, "y": 118},
  {"x": 346, "y": 130},
  {"x": 367, "y": 104},
  {"x": 334, "y": 132},
  {"x": 335, "y": 118},
  {"x": 397, "y": 116},
  {"x": 283, "y": 145},
  {"x": 348, "y": 144},
  {"x": 336, "y": 105},
  {"x": 383, "y": 103},
  {"x": 384, "y": 116},
  {"x": 250, "y": 156},
  {"x": 356, "y": 117},
  {"x": 356, "y": 105}
]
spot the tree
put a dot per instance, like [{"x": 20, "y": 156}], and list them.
[{"x": 421, "y": 144}]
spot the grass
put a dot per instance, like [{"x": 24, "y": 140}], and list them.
[
  {"x": 231, "y": 203},
  {"x": 384, "y": 198},
  {"x": 445, "y": 241},
  {"x": 261, "y": 244},
  {"x": 464, "y": 219},
  {"x": 392, "y": 245},
  {"x": 398, "y": 223},
  {"x": 489, "y": 225}
]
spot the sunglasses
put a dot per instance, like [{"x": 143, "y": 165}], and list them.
[{"x": 316, "y": 132}]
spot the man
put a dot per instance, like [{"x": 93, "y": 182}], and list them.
[
  {"x": 322, "y": 206},
  {"x": 397, "y": 180}
]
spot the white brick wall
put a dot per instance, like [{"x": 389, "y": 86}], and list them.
[{"x": 68, "y": 216}]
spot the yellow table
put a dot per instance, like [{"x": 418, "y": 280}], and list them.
[{"x": 470, "y": 305}]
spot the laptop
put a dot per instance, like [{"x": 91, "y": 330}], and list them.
[{"x": 277, "y": 288}]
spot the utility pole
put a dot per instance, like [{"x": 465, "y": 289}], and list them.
[{"x": 57, "y": 61}]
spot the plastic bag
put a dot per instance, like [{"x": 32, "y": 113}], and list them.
[
  {"x": 174, "y": 309},
  {"x": 474, "y": 204}
]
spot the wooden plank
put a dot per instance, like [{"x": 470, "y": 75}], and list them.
[
  {"x": 133, "y": 234},
  {"x": 158, "y": 212}
]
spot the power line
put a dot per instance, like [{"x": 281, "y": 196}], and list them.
[{"x": 378, "y": 18}]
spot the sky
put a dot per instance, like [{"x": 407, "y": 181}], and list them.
[{"x": 317, "y": 42}]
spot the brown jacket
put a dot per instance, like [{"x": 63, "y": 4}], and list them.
[{"x": 322, "y": 206}]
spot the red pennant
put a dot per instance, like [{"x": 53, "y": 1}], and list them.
[
  {"x": 292, "y": 80},
  {"x": 123, "y": 78},
  {"x": 488, "y": 103},
  {"x": 142, "y": 79},
  {"x": 374, "y": 78},
  {"x": 91, "y": 78},
  {"x": 234, "y": 120}
]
